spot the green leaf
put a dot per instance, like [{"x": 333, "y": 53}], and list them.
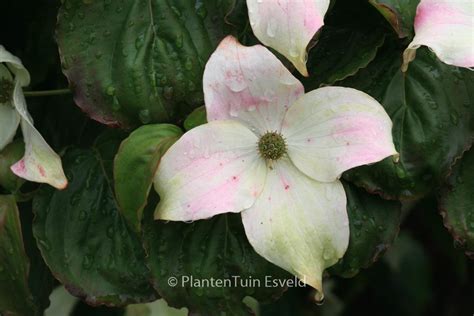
[
  {"x": 374, "y": 224},
  {"x": 399, "y": 13},
  {"x": 196, "y": 118},
  {"x": 40, "y": 279},
  {"x": 340, "y": 53},
  {"x": 430, "y": 106},
  {"x": 457, "y": 203},
  {"x": 135, "y": 61},
  {"x": 157, "y": 308},
  {"x": 135, "y": 166},
  {"x": 15, "y": 296},
  {"x": 82, "y": 237},
  {"x": 217, "y": 249},
  {"x": 410, "y": 275},
  {"x": 8, "y": 157}
]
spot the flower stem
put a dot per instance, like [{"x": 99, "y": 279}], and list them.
[{"x": 46, "y": 93}]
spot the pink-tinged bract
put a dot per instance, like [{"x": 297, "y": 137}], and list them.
[
  {"x": 287, "y": 26},
  {"x": 447, "y": 28}
]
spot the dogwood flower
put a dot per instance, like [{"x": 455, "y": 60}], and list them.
[
  {"x": 275, "y": 154},
  {"x": 447, "y": 28},
  {"x": 287, "y": 26},
  {"x": 40, "y": 163}
]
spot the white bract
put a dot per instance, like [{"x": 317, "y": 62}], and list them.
[
  {"x": 274, "y": 154},
  {"x": 40, "y": 163},
  {"x": 287, "y": 26},
  {"x": 447, "y": 28}
]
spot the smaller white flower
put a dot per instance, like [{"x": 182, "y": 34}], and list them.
[
  {"x": 40, "y": 163},
  {"x": 287, "y": 26},
  {"x": 447, "y": 28}
]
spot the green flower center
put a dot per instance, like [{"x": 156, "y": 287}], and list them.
[
  {"x": 6, "y": 90},
  {"x": 272, "y": 146}
]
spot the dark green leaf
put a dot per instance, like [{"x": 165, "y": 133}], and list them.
[
  {"x": 340, "y": 53},
  {"x": 411, "y": 275},
  {"x": 135, "y": 166},
  {"x": 457, "y": 203},
  {"x": 15, "y": 296},
  {"x": 196, "y": 118},
  {"x": 430, "y": 106},
  {"x": 215, "y": 248},
  {"x": 374, "y": 224},
  {"x": 399, "y": 13},
  {"x": 40, "y": 279},
  {"x": 9, "y": 156},
  {"x": 84, "y": 240},
  {"x": 136, "y": 61}
]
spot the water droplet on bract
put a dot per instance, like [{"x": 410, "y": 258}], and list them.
[
  {"x": 319, "y": 298},
  {"x": 144, "y": 116},
  {"x": 233, "y": 113},
  {"x": 294, "y": 52},
  {"x": 236, "y": 82},
  {"x": 327, "y": 254},
  {"x": 272, "y": 27}
]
